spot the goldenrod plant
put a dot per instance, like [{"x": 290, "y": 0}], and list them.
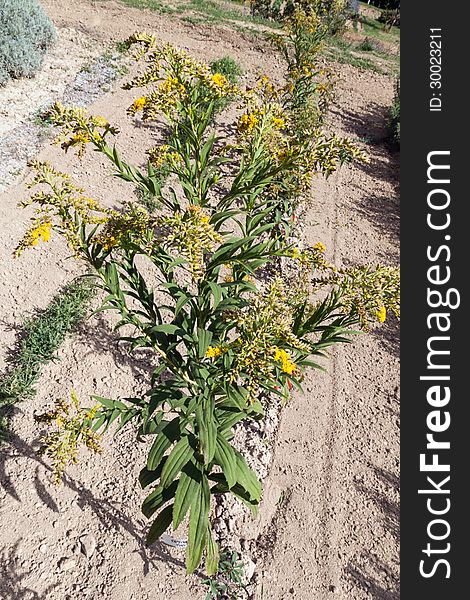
[
  {"x": 69, "y": 425},
  {"x": 193, "y": 282},
  {"x": 310, "y": 84}
]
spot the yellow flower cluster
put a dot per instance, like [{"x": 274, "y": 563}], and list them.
[
  {"x": 219, "y": 80},
  {"x": 219, "y": 85},
  {"x": 133, "y": 222},
  {"x": 247, "y": 122},
  {"x": 262, "y": 130},
  {"x": 368, "y": 292},
  {"x": 262, "y": 111},
  {"x": 70, "y": 425},
  {"x": 78, "y": 127},
  {"x": 163, "y": 155},
  {"x": 279, "y": 122},
  {"x": 137, "y": 105},
  {"x": 330, "y": 152},
  {"x": 41, "y": 231},
  {"x": 267, "y": 91},
  {"x": 266, "y": 322},
  {"x": 311, "y": 258},
  {"x": 58, "y": 208},
  {"x": 287, "y": 365},
  {"x": 216, "y": 351},
  {"x": 171, "y": 75},
  {"x": 381, "y": 314}
]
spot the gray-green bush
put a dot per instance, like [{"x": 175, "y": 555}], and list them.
[{"x": 26, "y": 32}]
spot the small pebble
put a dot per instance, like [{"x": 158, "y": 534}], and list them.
[{"x": 67, "y": 564}]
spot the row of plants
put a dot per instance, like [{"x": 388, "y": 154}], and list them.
[{"x": 197, "y": 281}]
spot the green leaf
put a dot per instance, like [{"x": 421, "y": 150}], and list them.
[
  {"x": 207, "y": 428},
  {"x": 220, "y": 216},
  {"x": 147, "y": 477},
  {"x": 198, "y": 526},
  {"x": 237, "y": 490},
  {"x": 178, "y": 457},
  {"x": 168, "y": 434},
  {"x": 165, "y": 328},
  {"x": 181, "y": 302},
  {"x": 247, "y": 478},
  {"x": 228, "y": 418},
  {"x": 227, "y": 251},
  {"x": 108, "y": 402},
  {"x": 112, "y": 278},
  {"x": 238, "y": 395},
  {"x": 158, "y": 498},
  {"x": 188, "y": 485},
  {"x": 160, "y": 525},
  {"x": 226, "y": 457},
  {"x": 212, "y": 556},
  {"x": 204, "y": 338},
  {"x": 217, "y": 293}
]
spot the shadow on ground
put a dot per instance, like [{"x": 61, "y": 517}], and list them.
[
  {"x": 109, "y": 515},
  {"x": 101, "y": 339},
  {"x": 14, "y": 577},
  {"x": 369, "y": 124},
  {"x": 367, "y": 572},
  {"x": 388, "y": 336}
]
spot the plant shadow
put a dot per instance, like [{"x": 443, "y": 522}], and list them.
[
  {"x": 379, "y": 579},
  {"x": 369, "y": 123},
  {"x": 101, "y": 339},
  {"x": 388, "y": 336},
  {"x": 12, "y": 576},
  {"x": 108, "y": 514},
  {"x": 371, "y": 585}
]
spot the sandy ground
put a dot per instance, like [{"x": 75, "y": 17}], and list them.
[{"x": 328, "y": 527}]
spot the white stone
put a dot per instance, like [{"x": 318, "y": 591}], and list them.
[
  {"x": 67, "y": 564},
  {"x": 88, "y": 545}
]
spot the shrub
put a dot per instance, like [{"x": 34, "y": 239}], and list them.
[
  {"x": 332, "y": 13},
  {"x": 389, "y": 18},
  {"x": 26, "y": 32},
  {"x": 228, "y": 67},
  {"x": 194, "y": 283}
]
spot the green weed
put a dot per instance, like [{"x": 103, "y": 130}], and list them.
[
  {"x": 43, "y": 336},
  {"x": 228, "y": 581}
]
